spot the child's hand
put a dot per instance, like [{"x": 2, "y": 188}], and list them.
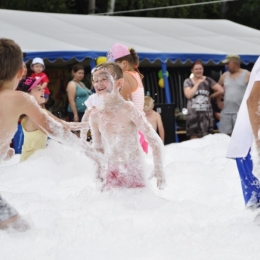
[
  {"x": 9, "y": 154},
  {"x": 159, "y": 175},
  {"x": 101, "y": 171},
  {"x": 160, "y": 183}
]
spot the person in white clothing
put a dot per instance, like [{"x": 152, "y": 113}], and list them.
[{"x": 246, "y": 129}]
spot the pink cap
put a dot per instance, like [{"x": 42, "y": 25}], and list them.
[
  {"x": 36, "y": 83},
  {"x": 117, "y": 51}
]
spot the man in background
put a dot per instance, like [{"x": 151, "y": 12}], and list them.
[{"x": 234, "y": 81}]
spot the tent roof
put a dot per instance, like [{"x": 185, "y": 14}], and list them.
[{"x": 65, "y": 36}]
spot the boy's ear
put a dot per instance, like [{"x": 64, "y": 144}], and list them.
[
  {"x": 120, "y": 83},
  {"x": 20, "y": 73}
]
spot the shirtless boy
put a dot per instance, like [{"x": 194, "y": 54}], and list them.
[
  {"x": 153, "y": 117},
  {"x": 114, "y": 125},
  {"x": 15, "y": 103}
]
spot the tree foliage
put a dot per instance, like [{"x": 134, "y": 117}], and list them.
[
  {"x": 240, "y": 11},
  {"x": 245, "y": 12}
]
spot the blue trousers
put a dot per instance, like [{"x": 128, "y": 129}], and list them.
[{"x": 250, "y": 184}]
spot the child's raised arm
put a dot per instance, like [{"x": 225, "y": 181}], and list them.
[
  {"x": 153, "y": 139},
  {"x": 96, "y": 137},
  {"x": 27, "y": 105},
  {"x": 72, "y": 126}
]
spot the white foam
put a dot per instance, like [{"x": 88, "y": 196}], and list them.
[{"x": 199, "y": 215}]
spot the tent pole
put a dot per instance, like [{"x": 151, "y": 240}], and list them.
[
  {"x": 166, "y": 83},
  {"x": 168, "y": 95}
]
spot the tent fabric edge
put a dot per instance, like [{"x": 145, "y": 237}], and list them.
[{"x": 52, "y": 56}]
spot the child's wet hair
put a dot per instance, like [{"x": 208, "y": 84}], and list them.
[
  {"x": 114, "y": 69},
  {"x": 11, "y": 59}
]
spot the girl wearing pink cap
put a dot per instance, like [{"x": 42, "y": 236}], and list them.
[{"x": 128, "y": 60}]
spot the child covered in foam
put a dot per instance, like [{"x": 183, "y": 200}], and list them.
[{"x": 113, "y": 124}]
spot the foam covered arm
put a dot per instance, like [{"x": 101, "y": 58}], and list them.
[{"x": 153, "y": 139}]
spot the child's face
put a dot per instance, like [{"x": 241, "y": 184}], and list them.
[
  {"x": 37, "y": 68},
  {"x": 148, "y": 107},
  {"x": 102, "y": 82},
  {"x": 38, "y": 94}
]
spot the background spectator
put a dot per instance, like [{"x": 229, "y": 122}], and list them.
[
  {"x": 38, "y": 67},
  {"x": 199, "y": 119},
  {"x": 78, "y": 93},
  {"x": 153, "y": 117},
  {"x": 234, "y": 81}
]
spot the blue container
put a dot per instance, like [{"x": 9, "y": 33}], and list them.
[{"x": 18, "y": 139}]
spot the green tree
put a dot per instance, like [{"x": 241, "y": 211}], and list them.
[
  {"x": 240, "y": 11},
  {"x": 54, "y": 6},
  {"x": 201, "y": 11},
  {"x": 244, "y": 12}
]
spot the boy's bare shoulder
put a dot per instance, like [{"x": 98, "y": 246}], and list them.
[
  {"x": 7, "y": 94},
  {"x": 129, "y": 105},
  {"x": 15, "y": 99},
  {"x": 155, "y": 114}
]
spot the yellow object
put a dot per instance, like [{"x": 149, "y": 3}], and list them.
[
  {"x": 161, "y": 83},
  {"x": 101, "y": 59},
  {"x": 33, "y": 141}
]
